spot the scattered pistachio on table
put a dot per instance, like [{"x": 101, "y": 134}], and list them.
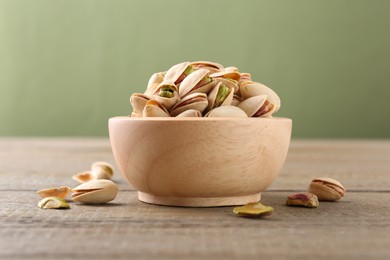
[
  {"x": 253, "y": 210},
  {"x": 53, "y": 203},
  {"x": 303, "y": 199},
  {"x": 61, "y": 192},
  {"x": 327, "y": 189},
  {"x": 95, "y": 192},
  {"x": 99, "y": 170}
]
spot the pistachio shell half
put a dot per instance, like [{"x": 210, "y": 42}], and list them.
[
  {"x": 95, "y": 192},
  {"x": 83, "y": 177},
  {"x": 61, "y": 192}
]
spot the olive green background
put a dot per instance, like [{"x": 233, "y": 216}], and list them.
[{"x": 67, "y": 66}]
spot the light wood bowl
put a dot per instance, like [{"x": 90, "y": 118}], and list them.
[{"x": 200, "y": 162}]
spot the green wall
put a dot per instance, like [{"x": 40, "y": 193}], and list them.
[{"x": 67, "y": 66}]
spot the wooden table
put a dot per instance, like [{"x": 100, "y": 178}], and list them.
[{"x": 357, "y": 227}]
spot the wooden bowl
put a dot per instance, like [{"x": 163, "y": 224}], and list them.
[{"x": 199, "y": 162}]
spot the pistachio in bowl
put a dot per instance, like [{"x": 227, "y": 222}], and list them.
[{"x": 201, "y": 135}]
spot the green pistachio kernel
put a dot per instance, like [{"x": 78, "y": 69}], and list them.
[
  {"x": 222, "y": 94},
  {"x": 189, "y": 70},
  {"x": 166, "y": 92}
]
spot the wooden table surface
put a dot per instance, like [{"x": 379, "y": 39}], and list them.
[{"x": 357, "y": 227}]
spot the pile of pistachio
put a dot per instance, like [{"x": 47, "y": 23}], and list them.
[
  {"x": 96, "y": 188},
  {"x": 204, "y": 88}
]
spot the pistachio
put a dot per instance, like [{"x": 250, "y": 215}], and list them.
[
  {"x": 95, "y": 192},
  {"x": 102, "y": 170},
  {"x": 60, "y": 192},
  {"x": 254, "y": 210},
  {"x": 99, "y": 170},
  {"x": 53, "y": 203},
  {"x": 303, "y": 199},
  {"x": 327, "y": 189}
]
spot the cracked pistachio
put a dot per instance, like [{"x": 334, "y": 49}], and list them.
[
  {"x": 327, "y": 189},
  {"x": 60, "y": 192},
  {"x": 254, "y": 210},
  {"x": 303, "y": 199},
  {"x": 99, "y": 170},
  {"x": 53, "y": 203},
  {"x": 95, "y": 192}
]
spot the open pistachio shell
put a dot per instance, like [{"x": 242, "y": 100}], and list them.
[
  {"x": 138, "y": 101},
  {"x": 220, "y": 95},
  {"x": 226, "y": 111},
  {"x": 176, "y": 73},
  {"x": 327, "y": 189},
  {"x": 154, "y": 109},
  {"x": 211, "y": 66},
  {"x": 156, "y": 78},
  {"x": 197, "y": 81},
  {"x": 151, "y": 89},
  {"x": 166, "y": 94},
  {"x": 102, "y": 170},
  {"x": 252, "y": 89},
  {"x": 190, "y": 113},
  {"x": 95, "y": 192},
  {"x": 228, "y": 74},
  {"x": 197, "y": 101},
  {"x": 53, "y": 203},
  {"x": 252, "y": 105}
]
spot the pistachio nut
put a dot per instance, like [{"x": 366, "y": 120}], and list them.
[
  {"x": 226, "y": 111},
  {"x": 166, "y": 94},
  {"x": 53, "y": 203},
  {"x": 190, "y": 113},
  {"x": 178, "y": 72},
  {"x": 327, "y": 189},
  {"x": 153, "y": 108},
  {"x": 198, "y": 81},
  {"x": 102, "y": 170},
  {"x": 254, "y": 210},
  {"x": 303, "y": 199},
  {"x": 211, "y": 66},
  {"x": 61, "y": 192},
  {"x": 95, "y": 192},
  {"x": 197, "y": 101}
]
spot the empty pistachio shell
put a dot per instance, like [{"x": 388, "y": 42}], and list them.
[
  {"x": 60, "y": 192},
  {"x": 53, "y": 203},
  {"x": 253, "y": 209},
  {"x": 303, "y": 199},
  {"x": 95, "y": 192},
  {"x": 327, "y": 189}
]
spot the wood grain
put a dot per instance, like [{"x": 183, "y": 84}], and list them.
[{"x": 357, "y": 227}]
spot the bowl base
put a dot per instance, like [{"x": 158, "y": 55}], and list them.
[{"x": 198, "y": 202}]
